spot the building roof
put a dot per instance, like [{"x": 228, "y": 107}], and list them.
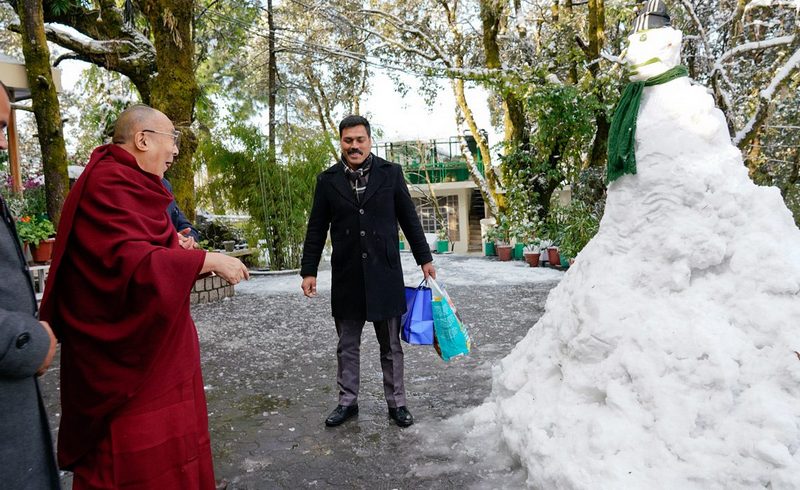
[{"x": 13, "y": 76}]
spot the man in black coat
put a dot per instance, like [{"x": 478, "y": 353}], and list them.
[{"x": 362, "y": 198}]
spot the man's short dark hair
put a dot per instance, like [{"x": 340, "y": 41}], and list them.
[{"x": 352, "y": 121}]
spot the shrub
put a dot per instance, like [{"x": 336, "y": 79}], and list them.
[{"x": 34, "y": 229}]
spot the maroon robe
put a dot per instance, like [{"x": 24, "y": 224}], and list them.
[{"x": 118, "y": 299}]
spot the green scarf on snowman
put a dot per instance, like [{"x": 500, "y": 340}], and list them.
[{"x": 622, "y": 134}]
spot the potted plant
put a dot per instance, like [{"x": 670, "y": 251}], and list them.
[
  {"x": 525, "y": 234},
  {"x": 532, "y": 252},
  {"x": 518, "y": 234},
  {"x": 553, "y": 231},
  {"x": 442, "y": 239},
  {"x": 503, "y": 238},
  {"x": 36, "y": 232},
  {"x": 489, "y": 239}
]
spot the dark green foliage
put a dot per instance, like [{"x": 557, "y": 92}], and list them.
[
  {"x": 214, "y": 232},
  {"x": 590, "y": 188},
  {"x": 276, "y": 195},
  {"x": 564, "y": 120},
  {"x": 98, "y": 99},
  {"x": 580, "y": 224}
]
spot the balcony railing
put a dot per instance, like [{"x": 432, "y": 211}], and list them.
[{"x": 431, "y": 161}]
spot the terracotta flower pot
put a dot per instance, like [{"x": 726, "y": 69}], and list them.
[
  {"x": 553, "y": 257},
  {"x": 532, "y": 258},
  {"x": 503, "y": 252},
  {"x": 43, "y": 251}
]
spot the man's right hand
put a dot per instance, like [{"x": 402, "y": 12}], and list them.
[
  {"x": 51, "y": 353},
  {"x": 309, "y": 286}
]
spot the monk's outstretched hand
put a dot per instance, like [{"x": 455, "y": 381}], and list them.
[{"x": 229, "y": 268}]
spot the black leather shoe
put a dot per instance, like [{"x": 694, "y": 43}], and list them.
[
  {"x": 340, "y": 414},
  {"x": 401, "y": 416}
]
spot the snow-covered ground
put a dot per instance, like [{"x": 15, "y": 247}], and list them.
[
  {"x": 668, "y": 356},
  {"x": 455, "y": 270}
]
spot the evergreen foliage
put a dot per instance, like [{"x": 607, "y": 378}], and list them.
[
  {"x": 563, "y": 117},
  {"x": 277, "y": 196}
]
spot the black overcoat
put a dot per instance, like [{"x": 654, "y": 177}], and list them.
[{"x": 367, "y": 279}]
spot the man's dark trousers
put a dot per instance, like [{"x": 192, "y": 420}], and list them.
[{"x": 348, "y": 360}]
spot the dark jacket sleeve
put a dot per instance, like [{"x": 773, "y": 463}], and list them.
[
  {"x": 409, "y": 221},
  {"x": 179, "y": 220},
  {"x": 24, "y": 344},
  {"x": 317, "y": 232}
]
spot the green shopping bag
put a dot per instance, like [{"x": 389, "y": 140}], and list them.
[{"x": 451, "y": 338}]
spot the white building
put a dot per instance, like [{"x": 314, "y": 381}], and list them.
[{"x": 442, "y": 189}]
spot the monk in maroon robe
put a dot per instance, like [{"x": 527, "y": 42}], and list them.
[{"x": 133, "y": 407}]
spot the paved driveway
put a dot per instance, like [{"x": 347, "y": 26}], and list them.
[{"x": 269, "y": 363}]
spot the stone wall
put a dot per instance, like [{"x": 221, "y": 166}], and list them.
[{"x": 210, "y": 289}]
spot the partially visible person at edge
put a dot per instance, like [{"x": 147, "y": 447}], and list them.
[
  {"x": 27, "y": 347},
  {"x": 362, "y": 198},
  {"x": 133, "y": 408},
  {"x": 188, "y": 236}
]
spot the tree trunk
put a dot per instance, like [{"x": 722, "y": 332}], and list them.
[
  {"x": 483, "y": 147},
  {"x": 174, "y": 88},
  {"x": 597, "y": 33},
  {"x": 493, "y": 15},
  {"x": 271, "y": 81},
  {"x": 278, "y": 255},
  {"x": 599, "y": 152},
  {"x": 45, "y": 105}
]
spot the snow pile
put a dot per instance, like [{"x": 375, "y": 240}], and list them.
[{"x": 666, "y": 355}]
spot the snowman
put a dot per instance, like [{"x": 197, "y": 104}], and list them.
[{"x": 667, "y": 357}]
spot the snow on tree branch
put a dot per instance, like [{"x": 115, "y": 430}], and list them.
[
  {"x": 783, "y": 74},
  {"x": 86, "y": 45},
  {"x": 699, "y": 25},
  {"x": 404, "y": 47},
  {"x": 754, "y": 4},
  {"x": 765, "y": 100},
  {"x": 752, "y": 46},
  {"x": 400, "y": 24}
]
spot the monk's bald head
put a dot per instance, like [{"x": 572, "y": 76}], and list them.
[
  {"x": 149, "y": 136},
  {"x": 132, "y": 120}
]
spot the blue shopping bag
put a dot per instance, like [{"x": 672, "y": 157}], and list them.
[
  {"x": 417, "y": 322},
  {"x": 451, "y": 334}
]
